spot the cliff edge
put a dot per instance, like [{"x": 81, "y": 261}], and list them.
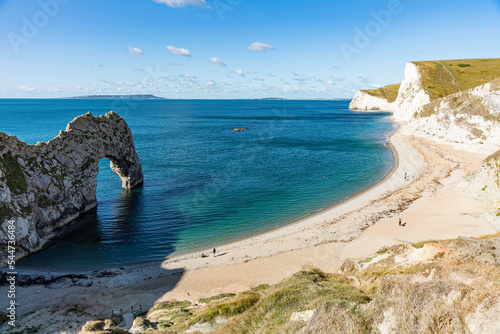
[
  {"x": 381, "y": 99},
  {"x": 45, "y": 186}
]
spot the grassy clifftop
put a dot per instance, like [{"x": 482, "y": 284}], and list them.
[
  {"x": 444, "y": 77},
  {"x": 449, "y": 286},
  {"x": 389, "y": 92}
]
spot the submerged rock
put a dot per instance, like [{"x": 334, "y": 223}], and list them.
[{"x": 45, "y": 186}]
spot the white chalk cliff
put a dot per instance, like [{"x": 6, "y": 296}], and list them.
[
  {"x": 484, "y": 185},
  {"x": 366, "y": 102},
  {"x": 470, "y": 118},
  {"x": 45, "y": 186},
  {"x": 411, "y": 95}
]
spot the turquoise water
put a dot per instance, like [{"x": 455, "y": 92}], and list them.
[{"x": 204, "y": 184}]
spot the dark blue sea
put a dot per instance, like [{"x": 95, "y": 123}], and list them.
[{"x": 205, "y": 184}]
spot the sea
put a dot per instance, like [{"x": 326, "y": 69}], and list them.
[{"x": 205, "y": 184}]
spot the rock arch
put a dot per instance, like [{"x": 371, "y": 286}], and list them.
[{"x": 45, "y": 186}]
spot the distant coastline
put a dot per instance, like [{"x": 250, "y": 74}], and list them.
[{"x": 117, "y": 97}]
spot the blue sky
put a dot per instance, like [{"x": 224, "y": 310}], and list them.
[{"x": 231, "y": 48}]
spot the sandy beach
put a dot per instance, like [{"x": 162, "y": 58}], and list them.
[{"x": 429, "y": 200}]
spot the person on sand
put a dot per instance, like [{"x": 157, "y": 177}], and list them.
[
  {"x": 405, "y": 175},
  {"x": 214, "y": 252},
  {"x": 400, "y": 221}
]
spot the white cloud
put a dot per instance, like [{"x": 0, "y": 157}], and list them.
[
  {"x": 257, "y": 46},
  {"x": 26, "y": 89},
  {"x": 183, "y": 3},
  {"x": 97, "y": 65},
  {"x": 298, "y": 74},
  {"x": 258, "y": 78},
  {"x": 299, "y": 78},
  {"x": 217, "y": 61},
  {"x": 272, "y": 75},
  {"x": 188, "y": 76},
  {"x": 135, "y": 51},
  {"x": 493, "y": 30},
  {"x": 239, "y": 72},
  {"x": 179, "y": 51}
]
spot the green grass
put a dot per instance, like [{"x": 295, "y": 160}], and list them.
[
  {"x": 443, "y": 77},
  {"x": 350, "y": 304},
  {"x": 383, "y": 250},
  {"x": 170, "y": 305},
  {"x": 219, "y": 297},
  {"x": 422, "y": 243},
  {"x": 26, "y": 210},
  {"x": 264, "y": 309},
  {"x": 172, "y": 315},
  {"x": 389, "y": 92},
  {"x": 234, "y": 306},
  {"x": 5, "y": 212},
  {"x": 306, "y": 290},
  {"x": 87, "y": 164},
  {"x": 14, "y": 175}
]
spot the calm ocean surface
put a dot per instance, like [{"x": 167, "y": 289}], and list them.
[{"x": 204, "y": 184}]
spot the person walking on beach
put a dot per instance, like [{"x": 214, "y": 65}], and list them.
[
  {"x": 405, "y": 175},
  {"x": 214, "y": 252},
  {"x": 400, "y": 221}
]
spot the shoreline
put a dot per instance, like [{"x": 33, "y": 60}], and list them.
[
  {"x": 325, "y": 210},
  {"x": 313, "y": 215},
  {"x": 163, "y": 263},
  {"x": 430, "y": 201}
]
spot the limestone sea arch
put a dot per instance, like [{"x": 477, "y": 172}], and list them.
[{"x": 45, "y": 186}]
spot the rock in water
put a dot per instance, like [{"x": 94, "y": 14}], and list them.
[{"x": 45, "y": 186}]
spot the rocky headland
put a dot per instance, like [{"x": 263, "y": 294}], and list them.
[
  {"x": 44, "y": 187},
  {"x": 381, "y": 99}
]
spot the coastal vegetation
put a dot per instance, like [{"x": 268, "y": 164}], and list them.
[
  {"x": 14, "y": 176},
  {"x": 441, "y": 78},
  {"x": 389, "y": 92},
  {"x": 448, "y": 286},
  {"x": 444, "y": 77}
]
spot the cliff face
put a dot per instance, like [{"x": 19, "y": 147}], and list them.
[
  {"x": 470, "y": 117},
  {"x": 411, "y": 94},
  {"x": 437, "y": 101},
  {"x": 365, "y": 102},
  {"x": 45, "y": 186},
  {"x": 484, "y": 185}
]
